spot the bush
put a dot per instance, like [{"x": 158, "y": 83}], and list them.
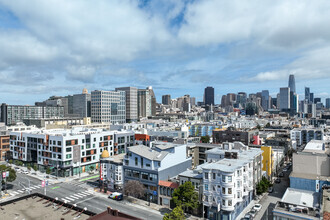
[
  {"x": 35, "y": 167},
  {"x": 10, "y": 161},
  {"x": 29, "y": 167},
  {"x": 48, "y": 170}
]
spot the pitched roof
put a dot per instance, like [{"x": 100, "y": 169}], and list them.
[{"x": 168, "y": 184}]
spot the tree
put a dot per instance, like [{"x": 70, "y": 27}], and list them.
[
  {"x": 91, "y": 168},
  {"x": 134, "y": 188},
  {"x": 263, "y": 185},
  {"x": 185, "y": 196},
  {"x": 29, "y": 167},
  {"x": 205, "y": 139},
  {"x": 258, "y": 127},
  {"x": 12, "y": 172},
  {"x": 48, "y": 170},
  {"x": 176, "y": 214},
  {"x": 35, "y": 167},
  {"x": 267, "y": 125}
]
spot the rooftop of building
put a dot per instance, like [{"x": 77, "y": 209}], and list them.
[
  {"x": 112, "y": 214},
  {"x": 37, "y": 206},
  {"x": 326, "y": 200},
  {"x": 163, "y": 145},
  {"x": 168, "y": 184},
  {"x": 299, "y": 203},
  {"x": 68, "y": 132},
  {"x": 225, "y": 165},
  {"x": 118, "y": 158},
  {"x": 309, "y": 176},
  {"x": 301, "y": 197},
  {"x": 316, "y": 146},
  {"x": 148, "y": 153},
  {"x": 196, "y": 173}
]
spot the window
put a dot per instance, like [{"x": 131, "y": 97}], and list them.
[
  {"x": 206, "y": 187},
  {"x": 148, "y": 165},
  {"x": 224, "y": 202},
  {"x": 214, "y": 188},
  {"x": 144, "y": 175},
  {"x": 223, "y": 190},
  {"x": 238, "y": 194},
  {"x": 136, "y": 161},
  {"x": 68, "y": 156},
  {"x": 229, "y": 178},
  {"x": 214, "y": 175},
  {"x": 82, "y": 147},
  {"x": 153, "y": 177},
  {"x": 136, "y": 174},
  {"x": 59, "y": 143},
  {"x": 229, "y": 190},
  {"x": 223, "y": 178},
  {"x": 68, "y": 149},
  {"x": 229, "y": 203},
  {"x": 238, "y": 183},
  {"x": 128, "y": 172},
  {"x": 83, "y": 141},
  {"x": 206, "y": 176}
]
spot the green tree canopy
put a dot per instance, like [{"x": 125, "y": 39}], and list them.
[
  {"x": 48, "y": 170},
  {"x": 205, "y": 139},
  {"x": 12, "y": 172},
  {"x": 185, "y": 196},
  {"x": 176, "y": 214}
]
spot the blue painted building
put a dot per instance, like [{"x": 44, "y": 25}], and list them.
[{"x": 199, "y": 130}]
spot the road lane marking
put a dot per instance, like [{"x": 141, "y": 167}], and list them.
[
  {"x": 88, "y": 178},
  {"x": 20, "y": 191},
  {"x": 79, "y": 196},
  {"x": 75, "y": 197},
  {"x": 70, "y": 199},
  {"x": 56, "y": 187},
  {"x": 86, "y": 199}
]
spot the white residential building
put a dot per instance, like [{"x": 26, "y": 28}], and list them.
[
  {"x": 305, "y": 135},
  {"x": 67, "y": 152}
]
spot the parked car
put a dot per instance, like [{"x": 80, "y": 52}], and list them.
[
  {"x": 247, "y": 216},
  {"x": 116, "y": 196},
  {"x": 253, "y": 212},
  {"x": 25, "y": 172},
  {"x": 270, "y": 189},
  {"x": 257, "y": 207},
  {"x": 278, "y": 180},
  {"x": 281, "y": 174}
]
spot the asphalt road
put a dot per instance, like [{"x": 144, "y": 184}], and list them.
[{"x": 80, "y": 193}]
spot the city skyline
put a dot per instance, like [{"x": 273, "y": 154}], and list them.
[{"x": 58, "y": 55}]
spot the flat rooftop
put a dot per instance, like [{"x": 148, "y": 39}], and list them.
[
  {"x": 301, "y": 197},
  {"x": 317, "y": 146},
  {"x": 33, "y": 207}
]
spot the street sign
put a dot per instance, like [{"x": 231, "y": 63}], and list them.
[
  {"x": 155, "y": 193},
  {"x": 7, "y": 174},
  {"x": 4, "y": 175},
  {"x": 43, "y": 183}
]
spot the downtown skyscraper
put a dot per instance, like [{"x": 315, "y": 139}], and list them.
[
  {"x": 292, "y": 83},
  {"x": 209, "y": 96}
]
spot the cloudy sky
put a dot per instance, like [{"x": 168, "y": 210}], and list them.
[{"x": 58, "y": 47}]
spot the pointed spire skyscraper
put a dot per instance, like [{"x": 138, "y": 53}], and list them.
[{"x": 292, "y": 83}]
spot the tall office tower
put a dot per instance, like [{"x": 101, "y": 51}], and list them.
[
  {"x": 311, "y": 109},
  {"x": 273, "y": 102},
  {"x": 294, "y": 102},
  {"x": 265, "y": 100},
  {"x": 179, "y": 103},
  {"x": 166, "y": 99},
  {"x": 311, "y": 97},
  {"x": 144, "y": 103},
  {"x": 303, "y": 106},
  {"x": 153, "y": 100},
  {"x": 284, "y": 98},
  {"x": 241, "y": 99},
  {"x": 131, "y": 103},
  {"x": 231, "y": 99},
  {"x": 209, "y": 96},
  {"x": 307, "y": 94},
  {"x": 108, "y": 106},
  {"x": 292, "y": 83},
  {"x": 54, "y": 101},
  {"x": 81, "y": 104},
  {"x": 192, "y": 101},
  {"x": 327, "y": 102},
  {"x": 317, "y": 100},
  {"x": 223, "y": 101}
]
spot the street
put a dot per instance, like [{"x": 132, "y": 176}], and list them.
[
  {"x": 79, "y": 192},
  {"x": 269, "y": 201}
]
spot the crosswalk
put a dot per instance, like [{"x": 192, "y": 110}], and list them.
[
  {"x": 22, "y": 191},
  {"x": 77, "y": 196}
]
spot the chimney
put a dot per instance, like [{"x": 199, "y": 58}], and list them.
[
  {"x": 115, "y": 212},
  {"x": 109, "y": 209}
]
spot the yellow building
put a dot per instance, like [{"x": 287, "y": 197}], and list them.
[{"x": 267, "y": 159}]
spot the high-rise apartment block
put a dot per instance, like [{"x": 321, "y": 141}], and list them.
[
  {"x": 209, "y": 96},
  {"x": 265, "y": 100},
  {"x": 166, "y": 99},
  {"x": 131, "y": 103},
  {"x": 146, "y": 102},
  {"x": 327, "y": 103},
  {"x": 108, "y": 106}
]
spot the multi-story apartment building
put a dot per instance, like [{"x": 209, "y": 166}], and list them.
[
  {"x": 144, "y": 103},
  {"x": 123, "y": 140},
  {"x": 305, "y": 135},
  {"x": 4, "y": 145},
  {"x": 108, "y": 106},
  {"x": 232, "y": 135},
  {"x": 199, "y": 130},
  {"x": 67, "y": 152},
  {"x": 111, "y": 171},
  {"x": 230, "y": 180},
  {"x": 131, "y": 103},
  {"x": 149, "y": 165},
  {"x": 12, "y": 114}
]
